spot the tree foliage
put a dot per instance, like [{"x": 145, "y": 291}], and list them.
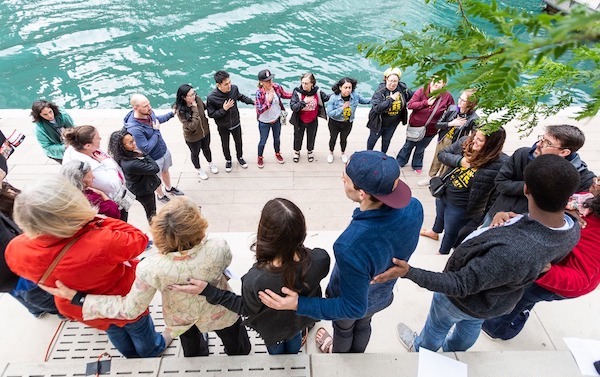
[{"x": 526, "y": 69}]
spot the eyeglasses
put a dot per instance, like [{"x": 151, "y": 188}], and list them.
[
  {"x": 460, "y": 99},
  {"x": 192, "y": 94},
  {"x": 545, "y": 143}
]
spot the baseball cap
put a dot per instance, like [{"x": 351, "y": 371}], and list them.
[
  {"x": 377, "y": 173},
  {"x": 265, "y": 75}
]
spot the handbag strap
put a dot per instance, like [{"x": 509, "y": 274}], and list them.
[
  {"x": 57, "y": 259},
  {"x": 447, "y": 175},
  {"x": 437, "y": 105},
  {"x": 97, "y": 222}
]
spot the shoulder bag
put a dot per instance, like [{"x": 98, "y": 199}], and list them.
[
  {"x": 437, "y": 185},
  {"x": 416, "y": 134}
]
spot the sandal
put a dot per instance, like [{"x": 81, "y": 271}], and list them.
[
  {"x": 324, "y": 340},
  {"x": 429, "y": 234},
  {"x": 311, "y": 158},
  {"x": 304, "y": 336},
  {"x": 296, "y": 156}
]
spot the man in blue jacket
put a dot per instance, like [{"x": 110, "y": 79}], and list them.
[
  {"x": 144, "y": 126},
  {"x": 387, "y": 223}
]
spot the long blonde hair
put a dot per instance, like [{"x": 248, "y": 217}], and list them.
[{"x": 52, "y": 206}]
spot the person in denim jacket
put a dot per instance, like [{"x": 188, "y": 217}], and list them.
[{"x": 341, "y": 109}]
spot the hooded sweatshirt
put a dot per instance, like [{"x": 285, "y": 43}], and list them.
[{"x": 149, "y": 140}]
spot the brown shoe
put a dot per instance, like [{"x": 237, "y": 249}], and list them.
[{"x": 429, "y": 234}]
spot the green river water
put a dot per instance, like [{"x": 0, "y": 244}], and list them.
[{"x": 96, "y": 53}]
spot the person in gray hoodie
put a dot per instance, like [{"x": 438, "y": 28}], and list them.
[
  {"x": 487, "y": 274},
  {"x": 144, "y": 125}
]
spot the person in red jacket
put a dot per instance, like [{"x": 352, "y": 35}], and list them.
[
  {"x": 102, "y": 258},
  {"x": 576, "y": 275}
]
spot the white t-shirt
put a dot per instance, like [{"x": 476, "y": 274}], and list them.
[{"x": 569, "y": 223}]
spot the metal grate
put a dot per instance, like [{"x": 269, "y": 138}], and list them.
[
  {"x": 252, "y": 365},
  {"x": 119, "y": 367},
  {"x": 75, "y": 341}
]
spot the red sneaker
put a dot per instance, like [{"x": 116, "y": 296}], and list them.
[
  {"x": 260, "y": 162},
  {"x": 279, "y": 158}
]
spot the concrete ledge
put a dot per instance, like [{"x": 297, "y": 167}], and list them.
[{"x": 480, "y": 364}]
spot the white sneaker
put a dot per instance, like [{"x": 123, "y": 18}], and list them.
[
  {"x": 406, "y": 336},
  {"x": 202, "y": 174},
  {"x": 344, "y": 158},
  {"x": 213, "y": 168},
  {"x": 330, "y": 158},
  {"x": 424, "y": 182}
]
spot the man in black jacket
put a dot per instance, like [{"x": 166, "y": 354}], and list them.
[
  {"x": 562, "y": 140},
  {"x": 221, "y": 105}
]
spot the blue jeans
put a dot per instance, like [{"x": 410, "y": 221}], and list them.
[
  {"x": 137, "y": 339},
  {"x": 510, "y": 325},
  {"x": 288, "y": 347},
  {"x": 442, "y": 316},
  {"x": 449, "y": 219},
  {"x": 386, "y": 134},
  {"x": 419, "y": 147},
  {"x": 264, "y": 129},
  {"x": 34, "y": 298}
]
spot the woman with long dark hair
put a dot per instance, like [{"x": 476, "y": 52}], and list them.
[
  {"x": 282, "y": 260},
  {"x": 191, "y": 113},
  {"x": 341, "y": 109},
  {"x": 141, "y": 172},
  {"x": 476, "y": 160},
  {"x": 50, "y": 122}
]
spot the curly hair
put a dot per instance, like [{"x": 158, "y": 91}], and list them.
[
  {"x": 116, "y": 149},
  {"x": 40, "y": 105},
  {"x": 336, "y": 87}
]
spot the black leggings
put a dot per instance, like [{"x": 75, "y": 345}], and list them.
[
  {"x": 311, "y": 134},
  {"x": 148, "y": 201},
  {"x": 341, "y": 128},
  {"x": 196, "y": 146},
  {"x": 235, "y": 341}
]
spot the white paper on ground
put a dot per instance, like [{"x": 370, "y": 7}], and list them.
[
  {"x": 585, "y": 352},
  {"x": 432, "y": 364}
]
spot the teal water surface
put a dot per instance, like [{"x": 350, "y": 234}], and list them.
[{"x": 96, "y": 53}]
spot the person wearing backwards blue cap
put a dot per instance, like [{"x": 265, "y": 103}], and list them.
[{"x": 386, "y": 224}]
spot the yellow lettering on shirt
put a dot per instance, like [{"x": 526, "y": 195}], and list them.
[
  {"x": 395, "y": 108},
  {"x": 347, "y": 113},
  {"x": 462, "y": 177}
]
